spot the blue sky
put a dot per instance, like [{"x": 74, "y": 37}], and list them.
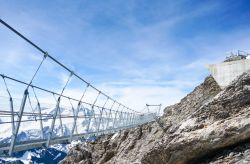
[{"x": 136, "y": 51}]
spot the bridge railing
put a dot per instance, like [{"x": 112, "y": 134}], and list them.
[
  {"x": 27, "y": 118},
  {"x": 71, "y": 122}
]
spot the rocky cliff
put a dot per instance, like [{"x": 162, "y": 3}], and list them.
[{"x": 209, "y": 125}]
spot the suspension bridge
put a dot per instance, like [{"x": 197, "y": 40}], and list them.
[{"x": 27, "y": 122}]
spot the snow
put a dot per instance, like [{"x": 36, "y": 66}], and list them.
[
  {"x": 114, "y": 136},
  {"x": 53, "y": 154},
  {"x": 74, "y": 143},
  {"x": 67, "y": 147},
  {"x": 26, "y": 158},
  {"x": 58, "y": 155},
  {"x": 187, "y": 123},
  {"x": 31, "y": 130},
  {"x": 61, "y": 147}
]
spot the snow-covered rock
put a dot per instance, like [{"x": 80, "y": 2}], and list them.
[{"x": 51, "y": 155}]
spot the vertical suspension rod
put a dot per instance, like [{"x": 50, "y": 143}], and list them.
[
  {"x": 56, "y": 111},
  {"x": 77, "y": 111},
  {"x": 100, "y": 118},
  {"x": 20, "y": 114},
  {"x": 116, "y": 112},
  {"x": 110, "y": 114},
  {"x": 11, "y": 106},
  {"x": 59, "y": 116},
  {"x": 92, "y": 110},
  {"x": 49, "y": 56},
  {"x": 40, "y": 113}
]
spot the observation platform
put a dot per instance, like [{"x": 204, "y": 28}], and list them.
[{"x": 224, "y": 73}]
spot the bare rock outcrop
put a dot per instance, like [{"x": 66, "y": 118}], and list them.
[
  {"x": 81, "y": 153},
  {"x": 202, "y": 94},
  {"x": 219, "y": 123},
  {"x": 236, "y": 154},
  {"x": 205, "y": 122}
]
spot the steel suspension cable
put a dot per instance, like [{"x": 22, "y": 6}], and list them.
[
  {"x": 45, "y": 90},
  {"x": 47, "y": 55},
  {"x": 6, "y": 86},
  {"x": 56, "y": 111},
  {"x": 77, "y": 111},
  {"x": 31, "y": 106}
]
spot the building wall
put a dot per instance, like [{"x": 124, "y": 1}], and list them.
[{"x": 225, "y": 73}]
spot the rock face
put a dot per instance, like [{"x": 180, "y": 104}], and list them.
[
  {"x": 238, "y": 154},
  {"x": 127, "y": 146},
  {"x": 202, "y": 94},
  {"x": 206, "y": 126},
  {"x": 79, "y": 154}
]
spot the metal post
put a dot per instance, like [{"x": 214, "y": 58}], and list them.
[
  {"x": 11, "y": 106},
  {"x": 60, "y": 120},
  {"x": 40, "y": 113},
  {"x": 131, "y": 119},
  {"x": 93, "y": 112},
  {"x": 56, "y": 111},
  {"x": 126, "y": 119},
  {"x": 105, "y": 120},
  {"x": 74, "y": 116},
  {"x": 110, "y": 114},
  {"x": 120, "y": 124},
  {"x": 114, "y": 120},
  {"x": 75, "y": 119},
  {"x": 123, "y": 119},
  {"x": 159, "y": 110},
  {"x": 100, "y": 119},
  {"x": 77, "y": 111},
  {"x": 12, "y": 115},
  {"x": 40, "y": 118},
  {"x": 137, "y": 119},
  {"x": 53, "y": 122},
  {"x": 147, "y": 107},
  {"x": 120, "y": 119},
  {"x": 19, "y": 119}
]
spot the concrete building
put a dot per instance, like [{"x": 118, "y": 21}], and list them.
[{"x": 224, "y": 73}]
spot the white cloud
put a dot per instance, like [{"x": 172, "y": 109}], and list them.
[
  {"x": 137, "y": 97},
  {"x": 155, "y": 69}
]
